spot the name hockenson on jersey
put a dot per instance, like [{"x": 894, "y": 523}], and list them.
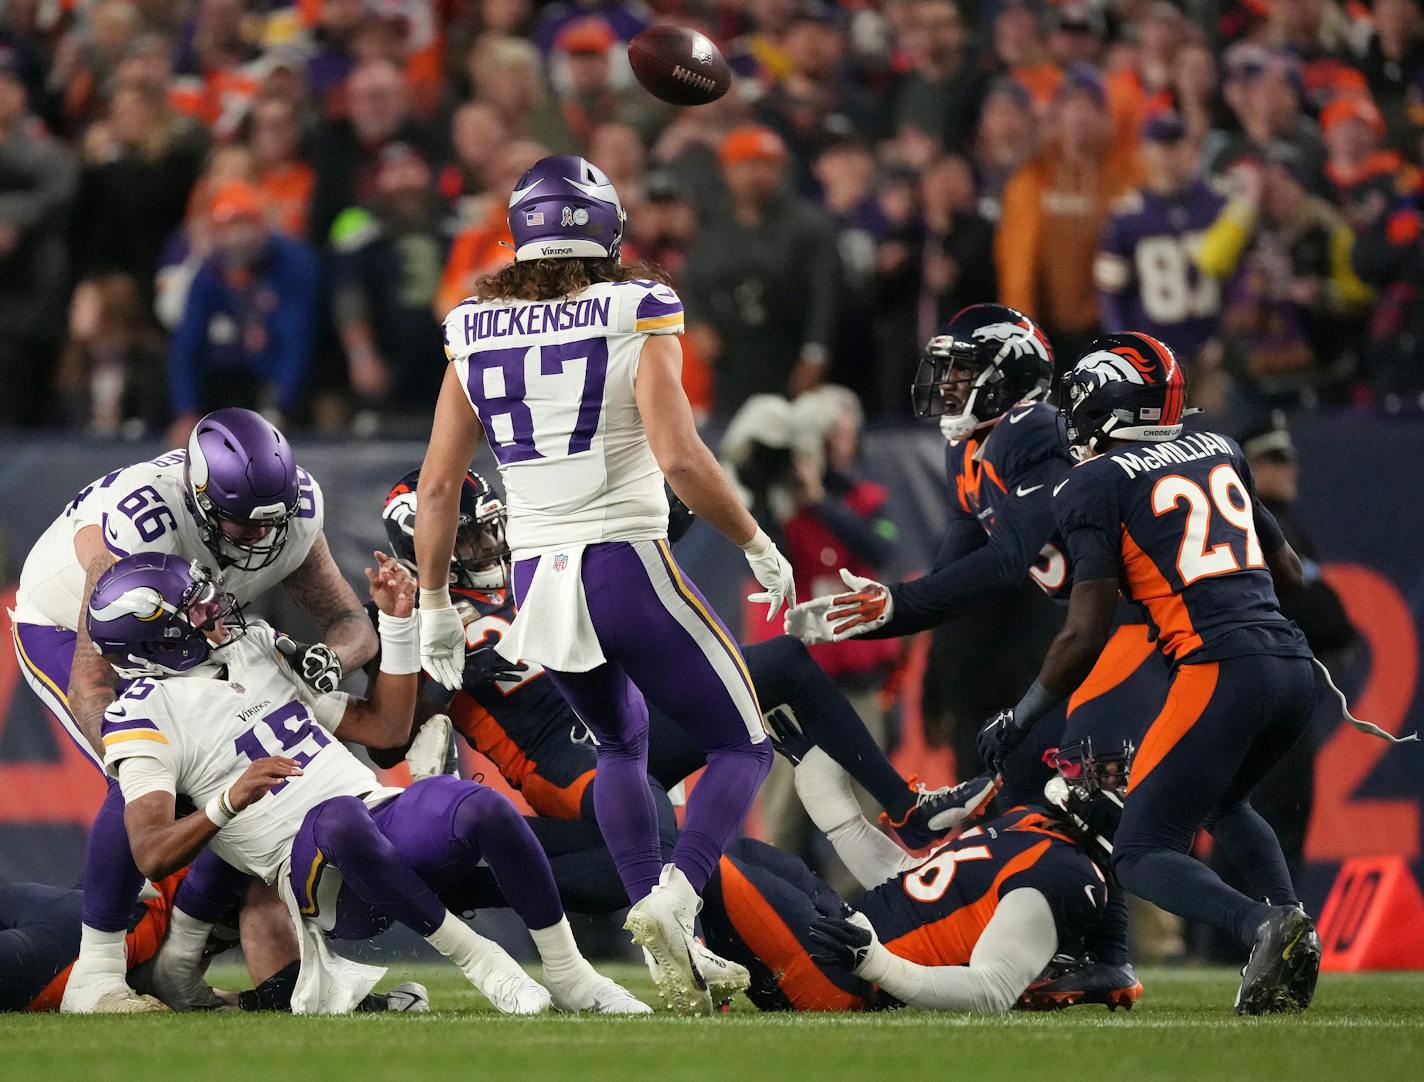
[{"x": 1187, "y": 449}]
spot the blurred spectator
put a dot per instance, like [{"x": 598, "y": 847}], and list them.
[
  {"x": 957, "y": 259},
  {"x": 140, "y": 165},
  {"x": 1393, "y": 65},
  {"x": 619, "y": 153},
  {"x": 942, "y": 93},
  {"x": 347, "y": 153},
  {"x": 1389, "y": 255},
  {"x": 508, "y": 74},
  {"x": 1005, "y": 142},
  {"x": 483, "y": 246},
  {"x": 1146, "y": 271},
  {"x": 1365, "y": 179},
  {"x": 246, "y": 332},
  {"x": 1021, "y": 50},
  {"x": 1078, "y": 34},
  {"x": 1264, "y": 90},
  {"x": 86, "y": 58},
  {"x": 111, "y": 367},
  {"x": 1284, "y": 256},
  {"x": 813, "y": 100},
  {"x": 625, "y": 17},
  {"x": 762, "y": 277},
  {"x": 277, "y": 139},
  {"x": 216, "y": 75},
  {"x": 476, "y": 136},
  {"x": 1317, "y": 33},
  {"x": 1053, "y": 214},
  {"x": 1196, "y": 94},
  {"x": 37, "y": 178},
  {"x": 589, "y": 97},
  {"x": 333, "y": 60},
  {"x": 385, "y": 269},
  {"x": 759, "y": 53}
]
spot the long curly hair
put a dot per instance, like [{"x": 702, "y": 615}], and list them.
[{"x": 550, "y": 279}]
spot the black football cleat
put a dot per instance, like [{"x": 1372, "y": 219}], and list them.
[
  {"x": 1284, "y": 965},
  {"x": 1073, "y": 982},
  {"x": 940, "y": 815}
]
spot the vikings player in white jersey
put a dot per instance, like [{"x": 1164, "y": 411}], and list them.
[
  {"x": 234, "y": 498},
  {"x": 568, "y": 362},
  {"x": 214, "y": 712}
]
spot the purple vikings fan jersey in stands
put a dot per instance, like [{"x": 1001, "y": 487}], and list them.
[{"x": 1146, "y": 270}]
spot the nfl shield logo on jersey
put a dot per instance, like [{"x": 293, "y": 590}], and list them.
[{"x": 561, "y": 561}]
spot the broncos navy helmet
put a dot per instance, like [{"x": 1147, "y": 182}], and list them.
[
  {"x": 1127, "y": 386},
  {"x": 988, "y": 358},
  {"x": 1088, "y": 790},
  {"x": 481, "y": 557}
]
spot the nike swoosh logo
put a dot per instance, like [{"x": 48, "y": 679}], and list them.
[
  {"x": 1092, "y": 896},
  {"x": 1058, "y": 487},
  {"x": 1015, "y": 418},
  {"x": 1021, "y": 491}
]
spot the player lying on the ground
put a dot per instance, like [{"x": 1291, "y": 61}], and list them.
[
  {"x": 970, "y": 927},
  {"x": 39, "y": 942},
  {"x": 1172, "y": 521},
  {"x": 521, "y": 723},
  {"x": 217, "y": 714},
  {"x": 235, "y": 499}
]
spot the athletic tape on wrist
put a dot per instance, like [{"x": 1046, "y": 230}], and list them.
[{"x": 400, "y": 644}]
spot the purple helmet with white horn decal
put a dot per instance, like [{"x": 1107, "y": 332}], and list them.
[
  {"x": 241, "y": 472},
  {"x": 565, "y": 207},
  {"x": 149, "y": 614}
]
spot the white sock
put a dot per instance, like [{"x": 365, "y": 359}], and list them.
[
  {"x": 189, "y": 935},
  {"x": 101, "y": 953},
  {"x": 456, "y": 940},
  {"x": 557, "y": 947}
]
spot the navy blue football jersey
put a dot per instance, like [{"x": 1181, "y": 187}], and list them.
[
  {"x": 935, "y": 912},
  {"x": 1179, "y": 526}
]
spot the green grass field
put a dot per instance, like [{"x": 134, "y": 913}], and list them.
[{"x": 1366, "y": 1027}]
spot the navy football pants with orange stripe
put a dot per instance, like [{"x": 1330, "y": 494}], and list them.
[
  {"x": 757, "y": 910},
  {"x": 1223, "y": 726}
]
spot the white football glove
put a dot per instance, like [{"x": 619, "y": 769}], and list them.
[
  {"x": 442, "y": 639},
  {"x": 771, "y": 570},
  {"x": 807, "y": 621},
  {"x": 429, "y": 750},
  {"x": 838, "y": 617}
]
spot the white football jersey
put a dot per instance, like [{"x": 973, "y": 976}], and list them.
[
  {"x": 144, "y": 508},
  {"x": 552, "y": 383},
  {"x": 205, "y": 732}
]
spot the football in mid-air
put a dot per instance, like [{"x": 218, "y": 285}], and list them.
[{"x": 678, "y": 65}]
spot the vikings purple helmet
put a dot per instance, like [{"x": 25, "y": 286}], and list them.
[
  {"x": 149, "y": 611},
  {"x": 240, "y": 470},
  {"x": 565, "y": 207}
]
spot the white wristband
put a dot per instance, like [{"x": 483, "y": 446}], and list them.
[
  {"x": 435, "y": 599},
  {"x": 400, "y": 644},
  {"x": 219, "y": 809},
  {"x": 759, "y": 545}
]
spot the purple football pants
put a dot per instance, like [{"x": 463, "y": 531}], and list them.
[
  {"x": 111, "y": 879},
  {"x": 664, "y": 645},
  {"x": 412, "y": 858}
]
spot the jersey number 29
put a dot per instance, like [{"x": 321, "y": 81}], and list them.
[{"x": 1229, "y": 499}]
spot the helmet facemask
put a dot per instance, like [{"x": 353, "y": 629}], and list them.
[
  {"x": 481, "y": 557},
  {"x": 184, "y": 647},
  {"x": 1089, "y": 790},
  {"x": 950, "y": 383},
  {"x": 238, "y": 554}
]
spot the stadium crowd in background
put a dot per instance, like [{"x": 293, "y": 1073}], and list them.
[{"x": 1238, "y": 176}]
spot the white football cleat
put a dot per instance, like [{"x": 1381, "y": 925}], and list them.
[
  {"x": 504, "y": 983},
  {"x": 588, "y": 990},
  {"x": 661, "y": 924},
  {"x": 408, "y": 998},
  {"x": 90, "y": 998},
  {"x": 724, "y": 977},
  {"x": 427, "y": 753}
]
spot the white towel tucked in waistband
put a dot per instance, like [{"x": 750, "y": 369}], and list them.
[
  {"x": 553, "y": 627},
  {"x": 327, "y": 983}
]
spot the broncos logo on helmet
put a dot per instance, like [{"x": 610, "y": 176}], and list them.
[{"x": 1127, "y": 386}]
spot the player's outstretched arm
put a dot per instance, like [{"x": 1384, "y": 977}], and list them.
[
  {"x": 454, "y": 437},
  {"x": 383, "y": 719},
  {"x": 91, "y": 678},
  {"x": 162, "y": 844},
  {"x": 1015, "y": 946},
  {"x": 319, "y": 587},
  {"x": 694, "y": 473}
]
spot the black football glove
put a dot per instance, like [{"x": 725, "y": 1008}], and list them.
[
  {"x": 838, "y": 943},
  {"x": 316, "y": 663},
  {"x": 483, "y": 665},
  {"x": 680, "y": 518},
  {"x": 787, "y": 736},
  {"x": 1000, "y": 736}
]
